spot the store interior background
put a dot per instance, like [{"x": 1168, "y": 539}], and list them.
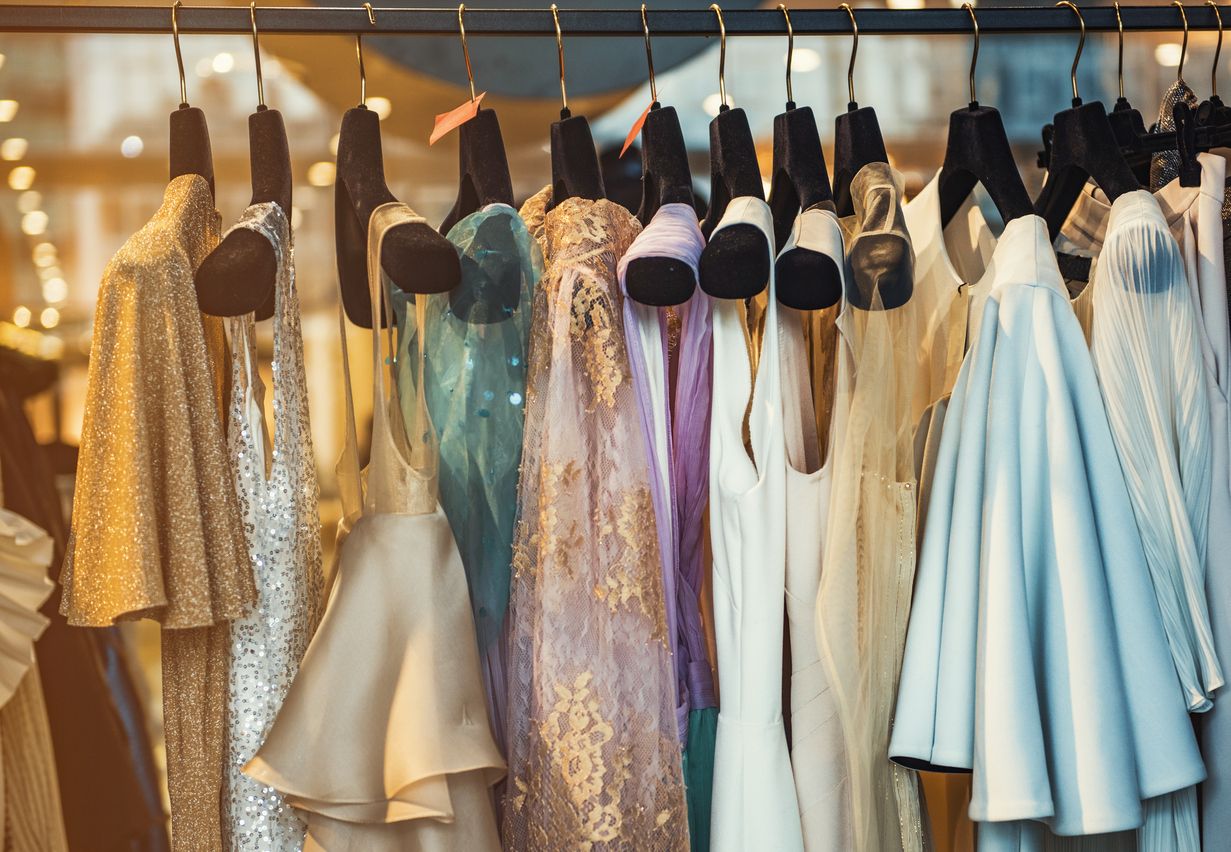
[{"x": 83, "y": 148}]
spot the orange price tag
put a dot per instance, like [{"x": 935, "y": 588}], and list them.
[
  {"x": 635, "y": 129},
  {"x": 454, "y": 118}
]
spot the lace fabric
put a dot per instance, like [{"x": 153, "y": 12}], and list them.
[
  {"x": 864, "y": 596},
  {"x": 594, "y": 753},
  {"x": 278, "y": 497}
]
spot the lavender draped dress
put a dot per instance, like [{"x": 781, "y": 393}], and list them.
[{"x": 675, "y": 421}]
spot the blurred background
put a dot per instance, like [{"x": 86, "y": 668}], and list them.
[{"x": 83, "y": 146}]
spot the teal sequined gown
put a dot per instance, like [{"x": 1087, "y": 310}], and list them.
[{"x": 475, "y": 376}]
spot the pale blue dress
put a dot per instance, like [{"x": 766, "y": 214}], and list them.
[{"x": 1036, "y": 656}]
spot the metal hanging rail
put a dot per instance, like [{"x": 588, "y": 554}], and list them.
[{"x": 319, "y": 20}]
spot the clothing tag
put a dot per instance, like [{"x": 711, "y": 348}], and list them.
[
  {"x": 455, "y": 117},
  {"x": 636, "y": 128}
]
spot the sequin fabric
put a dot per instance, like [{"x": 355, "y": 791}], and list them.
[
  {"x": 279, "y": 504},
  {"x": 594, "y": 751},
  {"x": 1165, "y": 165},
  {"x": 156, "y": 526},
  {"x": 157, "y": 530}
]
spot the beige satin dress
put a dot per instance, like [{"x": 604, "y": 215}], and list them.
[{"x": 382, "y": 742}]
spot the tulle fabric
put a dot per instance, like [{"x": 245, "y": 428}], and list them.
[
  {"x": 869, "y": 552},
  {"x": 475, "y": 385},
  {"x": 594, "y": 752}
]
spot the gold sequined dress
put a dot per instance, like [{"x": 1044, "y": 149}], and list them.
[
  {"x": 594, "y": 751},
  {"x": 157, "y": 531}
]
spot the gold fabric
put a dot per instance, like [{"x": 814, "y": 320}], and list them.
[
  {"x": 594, "y": 752},
  {"x": 156, "y": 523},
  {"x": 157, "y": 530}
]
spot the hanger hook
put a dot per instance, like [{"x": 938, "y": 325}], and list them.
[
  {"x": 649, "y": 56},
  {"x": 1081, "y": 43},
  {"x": 256, "y": 54},
  {"x": 179, "y": 57},
  {"x": 555, "y": 17},
  {"x": 722, "y": 57},
  {"x": 974, "y": 56},
  {"x": 461, "y": 28},
  {"x": 1179, "y": 72},
  {"x": 790, "y": 54},
  {"x": 363, "y": 77},
  {"x": 1217, "y": 48},
  {"x": 850, "y": 68},
  {"x": 1120, "y": 55}
]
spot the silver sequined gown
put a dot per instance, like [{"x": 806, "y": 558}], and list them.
[{"x": 279, "y": 504}]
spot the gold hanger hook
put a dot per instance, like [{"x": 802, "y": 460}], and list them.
[
  {"x": 256, "y": 54},
  {"x": 850, "y": 68},
  {"x": 722, "y": 56},
  {"x": 649, "y": 56},
  {"x": 461, "y": 28},
  {"x": 363, "y": 77},
  {"x": 179, "y": 57},
  {"x": 555, "y": 17},
  {"x": 1217, "y": 48},
  {"x": 790, "y": 50},
  {"x": 1120, "y": 59},
  {"x": 974, "y": 56},
  {"x": 1179, "y": 72},
  {"x": 1081, "y": 43}
]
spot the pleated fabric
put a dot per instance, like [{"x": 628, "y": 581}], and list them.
[{"x": 1143, "y": 338}]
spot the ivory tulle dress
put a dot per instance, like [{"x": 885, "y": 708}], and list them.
[
  {"x": 754, "y": 791},
  {"x": 383, "y": 740},
  {"x": 864, "y": 597}
]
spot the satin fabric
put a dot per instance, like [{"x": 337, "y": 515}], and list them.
[{"x": 755, "y": 805}]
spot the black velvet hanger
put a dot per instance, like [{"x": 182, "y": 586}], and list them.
[
  {"x": 978, "y": 152},
  {"x": 483, "y": 168},
  {"x": 735, "y": 262},
  {"x": 665, "y": 179},
  {"x": 1083, "y": 147},
  {"x": 857, "y": 135},
  {"x": 239, "y": 275},
  {"x": 804, "y": 279},
  {"x": 575, "y": 172},
  {"x": 414, "y": 256}
]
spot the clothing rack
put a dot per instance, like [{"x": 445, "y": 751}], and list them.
[{"x": 319, "y": 20}]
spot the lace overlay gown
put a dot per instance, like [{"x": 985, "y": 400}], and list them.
[{"x": 594, "y": 753}]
